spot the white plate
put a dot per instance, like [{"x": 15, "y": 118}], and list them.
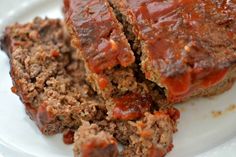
[{"x": 200, "y": 134}]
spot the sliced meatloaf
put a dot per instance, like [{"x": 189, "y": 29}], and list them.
[
  {"x": 150, "y": 136},
  {"x": 48, "y": 78},
  {"x": 110, "y": 64},
  {"x": 186, "y": 47}
]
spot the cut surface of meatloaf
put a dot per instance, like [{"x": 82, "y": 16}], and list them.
[
  {"x": 151, "y": 136},
  {"x": 48, "y": 78},
  {"x": 110, "y": 63},
  {"x": 186, "y": 47}
]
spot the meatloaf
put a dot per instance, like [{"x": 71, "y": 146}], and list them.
[
  {"x": 186, "y": 47},
  {"x": 111, "y": 67},
  {"x": 151, "y": 136},
  {"x": 48, "y": 78}
]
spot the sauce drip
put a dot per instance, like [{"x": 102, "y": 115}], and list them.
[
  {"x": 182, "y": 86},
  {"x": 214, "y": 78},
  {"x": 179, "y": 85}
]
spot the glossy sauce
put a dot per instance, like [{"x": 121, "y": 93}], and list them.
[
  {"x": 214, "y": 78},
  {"x": 131, "y": 106},
  {"x": 167, "y": 27},
  {"x": 179, "y": 88},
  {"x": 103, "y": 82},
  {"x": 55, "y": 53},
  {"x": 178, "y": 85}
]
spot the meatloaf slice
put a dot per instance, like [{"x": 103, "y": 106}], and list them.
[
  {"x": 47, "y": 78},
  {"x": 186, "y": 47},
  {"x": 101, "y": 44},
  {"x": 150, "y": 136}
]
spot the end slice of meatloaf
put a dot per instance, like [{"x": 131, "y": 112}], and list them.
[
  {"x": 187, "y": 47},
  {"x": 47, "y": 78},
  {"x": 151, "y": 136}
]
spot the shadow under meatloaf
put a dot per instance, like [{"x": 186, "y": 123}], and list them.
[
  {"x": 111, "y": 67},
  {"x": 151, "y": 136},
  {"x": 48, "y": 78},
  {"x": 186, "y": 47}
]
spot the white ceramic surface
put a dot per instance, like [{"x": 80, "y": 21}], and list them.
[{"x": 199, "y": 135}]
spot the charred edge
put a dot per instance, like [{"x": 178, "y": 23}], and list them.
[{"x": 136, "y": 48}]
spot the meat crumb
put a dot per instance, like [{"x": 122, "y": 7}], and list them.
[
  {"x": 230, "y": 108},
  {"x": 216, "y": 114}
]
